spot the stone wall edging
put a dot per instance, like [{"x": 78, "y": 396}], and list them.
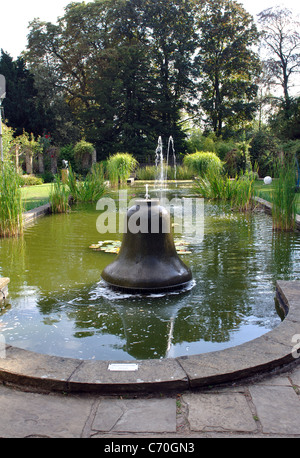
[{"x": 270, "y": 351}]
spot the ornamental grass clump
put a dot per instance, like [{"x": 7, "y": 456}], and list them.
[
  {"x": 11, "y": 207},
  {"x": 119, "y": 168},
  {"x": 284, "y": 207},
  {"x": 202, "y": 162}
]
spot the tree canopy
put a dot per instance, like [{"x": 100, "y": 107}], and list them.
[
  {"x": 121, "y": 73},
  {"x": 227, "y": 64},
  {"x": 281, "y": 40}
]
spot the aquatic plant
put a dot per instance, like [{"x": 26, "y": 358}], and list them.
[
  {"x": 91, "y": 189},
  {"x": 59, "y": 196},
  {"x": 242, "y": 193},
  {"x": 284, "y": 207},
  {"x": 238, "y": 192},
  {"x": 11, "y": 208}
]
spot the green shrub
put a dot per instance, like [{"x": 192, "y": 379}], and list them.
[
  {"x": 11, "y": 208},
  {"x": 183, "y": 173},
  {"x": 237, "y": 161},
  {"x": 150, "y": 173},
  {"x": 223, "y": 147},
  {"x": 30, "y": 180},
  {"x": 48, "y": 177},
  {"x": 197, "y": 141},
  {"x": 67, "y": 153},
  {"x": 82, "y": 151},
  {"x": 119, "y": 168},
  {"x": 81, "y": 148},
  {"x": 202, "y": 161}
]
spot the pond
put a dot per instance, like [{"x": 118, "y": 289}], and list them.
[{"x": 59, "y": 305}]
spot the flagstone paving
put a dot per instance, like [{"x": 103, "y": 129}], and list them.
[{"x": 269, "y": 407}]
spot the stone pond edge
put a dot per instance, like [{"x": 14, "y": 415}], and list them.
[{"x": 273, "y": 350}]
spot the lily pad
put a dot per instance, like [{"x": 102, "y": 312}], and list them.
[
  {"x": 108, "y": 246},
  {"x": 113, "y": 246}
]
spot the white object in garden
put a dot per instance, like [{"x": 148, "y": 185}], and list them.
[{"x": 268, "y": 180}]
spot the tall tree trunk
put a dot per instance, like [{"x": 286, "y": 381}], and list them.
[{"x": 28, "y": 161}]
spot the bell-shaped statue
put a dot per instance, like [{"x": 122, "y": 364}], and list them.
[{"x": 147, "y": 261}]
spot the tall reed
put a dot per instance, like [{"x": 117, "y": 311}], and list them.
[
  {"x": 242, "y": 193},
  {"x": 91, "y": 189},
  {"x": 59, "y": 196},
  {"x": 11, "y": 208},
  {"x": 238, "y": 192},
  {"x": 284, "y": 208}
]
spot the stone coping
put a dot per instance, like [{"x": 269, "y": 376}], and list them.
[
  {"x": 261, "y": 355},
  {"x": 268, "y": 352},
  {"x": 32, "y": 215}
]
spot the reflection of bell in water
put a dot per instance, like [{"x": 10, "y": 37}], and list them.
[{"x": 147, "y": 261}]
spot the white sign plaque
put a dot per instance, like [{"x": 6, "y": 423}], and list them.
[{"x": 123, "y": 367}]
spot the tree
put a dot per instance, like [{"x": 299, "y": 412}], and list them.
[
  {"x": 264, "y": 151},
  {"x": 122, "y": 116},
  {"x": 286, "y": 122},
  {"x": 123, "y": 67},
  {"x": 20, "y": 102},
  {"x": 172, "y": 43},
  {"x": 281, "y": 40},
  {"x": 227, "y": 65},
  {"x": 93, "y": 56}
]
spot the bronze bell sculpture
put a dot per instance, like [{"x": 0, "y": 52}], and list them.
[{"x": 147, "y": 261}]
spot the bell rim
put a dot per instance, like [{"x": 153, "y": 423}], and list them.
[{"x": 150, "y": 290}]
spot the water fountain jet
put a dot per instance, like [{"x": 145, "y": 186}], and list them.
[{"x": 148, "y": 260}]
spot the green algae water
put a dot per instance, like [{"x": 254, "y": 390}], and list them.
[{"x": 59, "y": 305}]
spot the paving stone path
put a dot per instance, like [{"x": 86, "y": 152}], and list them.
[{"x": 266, "y": 408}]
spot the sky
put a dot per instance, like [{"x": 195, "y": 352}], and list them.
[{"x": 15, "y": 16}]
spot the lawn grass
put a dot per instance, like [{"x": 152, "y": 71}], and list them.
[
  {"x": 260, "y": 187},
  {"x": 34, "y": 196}
]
